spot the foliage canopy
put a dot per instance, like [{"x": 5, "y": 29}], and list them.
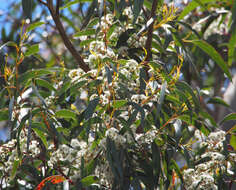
[{"x": 118, "y": 95}]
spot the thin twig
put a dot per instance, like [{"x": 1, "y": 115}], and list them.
[
  {"x": 65, "y": 38},
  {"x": 42, "y": 2}
]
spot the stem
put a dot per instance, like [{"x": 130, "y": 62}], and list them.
[
  {"x": 148, "y": 44},
  {"x": 55, "y": 15}
]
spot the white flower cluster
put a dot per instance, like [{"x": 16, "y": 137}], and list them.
[
  {"x": 114, "y": 135},
  {"x": 71, "y": 155},
  {"x": 76, "y": 74},
  {"x": 148, "y": 137},
  {"x": 138, "y": 98},
  {"x": 202, "y": 176},
  {"x": 9, "y": 153},
  {"x": 7, "y": 156}
]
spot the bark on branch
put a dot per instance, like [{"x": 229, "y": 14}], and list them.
[
  {"x": 56, "y": 18},
  {"x": 148, "y": 45}
]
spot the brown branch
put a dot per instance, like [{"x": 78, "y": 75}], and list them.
[
  {"x": 148, "y": 44},
  {"x": 65, "y": 38},
  {"x": 58, "y": 7},
  {"x": 42, "y": 2}
]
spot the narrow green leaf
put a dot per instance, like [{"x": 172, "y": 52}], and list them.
[
  {"x": 29, "y": 132},
  {"x": 233, "y": 25},
  {"x": 191, "y": 6},
  {"x": 66, "y": 114},
  {"x": 209, "y": 117},
  {"x": 111, "y": 30},
  {"x": 233, "y": 141},
  {"x": 109, "y": 74},
  {"x": 27, "y": 8},
  {"x": 231, "y": 116},
  {"x": 34, "y": 25},
  {"x": 161, "y": 99},
  {"x": 14, "y": 168},
  {"x": 45, "y": 84},
  {"x": 10, "y": 108},
  {"x": 32, "y": 50},
  {"x": 91, "y": 108},
  {"x": 70, "y": 3},
  {"x": 217, "y": 100},
  {"x": 25, "y": 77},
  {"x": 86, "y": 42},
  {"x": 156, "y": 161},
  {"x": 10, "y": 43},
  {"x": 89, "y": 180},
  {"x": 148, "y": 4},
  {"x": 143, "y": 79},
  {"x": 210, "y": 50},
  {"x": 185, "y": 87},
  {"x": 138, "y": 4},
  {"x": 35, "y": 90},
  {"x": 41, "y": 135},
  {"x": 119, "y": 103},
  {"x": 85, "y": 33},
  {"x": 232, "y": 46},
  {"x": 64, "y": 88}
]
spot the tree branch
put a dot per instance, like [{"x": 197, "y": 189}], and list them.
[
  {"x": 148, "y": 44},
  {"x": 64, "y": 36},
  {"x": 42, "y": 2},
  {"x": 58, "y": 7}
]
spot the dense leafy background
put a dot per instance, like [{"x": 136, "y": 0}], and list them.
[{"x": 137, "y": 112}]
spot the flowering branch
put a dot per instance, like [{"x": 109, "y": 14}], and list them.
[{"x": 56, "y": 18}]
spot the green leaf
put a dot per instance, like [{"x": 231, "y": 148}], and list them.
[
  {"x": 34, "y": 25},
  {"x": 217, "y": 100},
  {"x": 143, "y": 80},
  {"x": 41, "y": 135},
  {"x": 25, "y": 77},
  {"x": 232, "y": 46},
  {"x": 233, "y": 141},
  {"x": 233, "y": 25},
  {"x": 70, "y": 3},
  {"x": 156, "y": 161},
  {"x": 32, "y": 50},
  {"x": 191, "y": 6},
  {"x": 91, "y": 107},
  {"x": 86, "y": 42},
  {"x": 209, "y": 117},
  {"x": 210, "y": 50},
  {"x": 16, "y": 164},
  {"x": 85, "y": 33},
  {"x": 119, "y": 103},
  {"x": 138, "y": 4},
  {"x": 45, "y": 84},
  {"x": 10, "y": 43},
  {"x": 10, "y": 111},
  {"x": 35, "y": 90},
  {"x": 64, "y": 88},
  {"x": 3, "y": 114},
  {"x": 29, "y": 132},
  {"x": 184, "y": 86},
  {"x": 89, "y": 180},
  {"x": 27, "y": 8},
  {"x": 161, "y": 99},
  {"x": 109, "y": 74},
  {"x": 231, "y": 116},
  {"x": 66, "y": 114}
]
